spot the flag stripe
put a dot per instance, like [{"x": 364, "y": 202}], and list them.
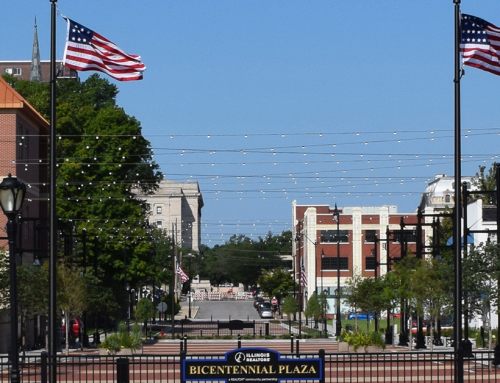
[
  {"x": 480, "y": 44},
  {"x": 182, "y": 275},
  {"x": 303, "y": 276},
  {"x": 88, "y": 50}
]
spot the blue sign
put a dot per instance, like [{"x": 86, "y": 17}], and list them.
[{"x": 252, "y": 365}]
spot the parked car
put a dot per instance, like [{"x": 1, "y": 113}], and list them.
[
  {"x": 257, "y": 302},
  {"x": 266, "y": 305},
  {"x": 266, "y": 312}
]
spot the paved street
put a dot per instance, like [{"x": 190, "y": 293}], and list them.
[{"x": 226, "y": 310}]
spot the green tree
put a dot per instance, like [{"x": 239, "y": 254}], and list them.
[
  {"x": 368, "y": 294},
  {"x": 290, "y": 306},
  {"x": 104, "y": 163},
  {"x": 485, "y": 181},
  {"x": 481, "y": 270},
  {"x": 242, "y": 260},
  {"x": 144, "y": 311},
  {"x": 313, "y": 308},
  {"x": 276, "y": 283},
  {"x": 32, "y": 292},
  {"x": 71, "y": 295}
]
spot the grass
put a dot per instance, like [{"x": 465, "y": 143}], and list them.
[{"x": 362, "y": 325}]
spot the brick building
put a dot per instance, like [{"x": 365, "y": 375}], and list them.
[
  {"x": 366, "y": 236},
  {"x": 24, "y": 143}
]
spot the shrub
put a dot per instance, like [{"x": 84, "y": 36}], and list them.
[
  {"x": 376, "y": 340},
  {"x": 112, "y": 343},
  {"x": 123, "y": 339},
  {"x": 362, "y": 339}
]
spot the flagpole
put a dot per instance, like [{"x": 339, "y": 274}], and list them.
[
  {"x": 53, "y": 326},
  {"x": 458, "y": 349}
]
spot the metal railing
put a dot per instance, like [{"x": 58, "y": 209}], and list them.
[{"x": 400, "y": 367}]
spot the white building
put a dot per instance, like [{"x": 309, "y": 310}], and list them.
[
  {"x": 483, "y": 218},
  {"x": 439, "y": 198},
  {"x": 176, "y": 208}
]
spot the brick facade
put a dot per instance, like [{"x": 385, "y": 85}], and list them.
[
  {"x": 24, "y": 145},
  {"x": 363, "y": 243}
]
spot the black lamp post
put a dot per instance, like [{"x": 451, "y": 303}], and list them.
[
  {"x": 323, "y": 308},
  {"x": 12, "y": 194},
  {"x": 338, "y": 321}
]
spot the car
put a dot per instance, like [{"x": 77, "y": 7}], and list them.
[
  {"x": 264, "y": 306},
  {"x": 266, "y": 313},
  {"x": 257, "y": 302}
]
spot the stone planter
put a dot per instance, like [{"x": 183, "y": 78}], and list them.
[
  {"x": 344, "y": 347},
  {"x": 374, "y": 349}
]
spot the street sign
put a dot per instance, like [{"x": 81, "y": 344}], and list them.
[
  {"x": 162, "y": 307},
  {"x": 253, "y": 365}
]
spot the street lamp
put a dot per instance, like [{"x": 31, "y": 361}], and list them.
[
  {"x": 338, "y": 321},
  {"x": 12, "y": 194}
]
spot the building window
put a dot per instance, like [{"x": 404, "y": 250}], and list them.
[
  {"x": 158, "y": 209},
  {"x": 406, "y": 235},
  {"x": 330, "y": 263},
  {"x": 370, "y": 236},
  {"x": 371, "y": 263},
  {"x": 14, "y": 71},
  {"x": 330, "y": 236},
  {"x": 159, "y": 224}
]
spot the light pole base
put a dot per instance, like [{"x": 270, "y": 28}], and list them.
[
  {"x": 338, "y": 328},
  {"x": 496, "y": 355},
  {"x": 467, "y": 348}
]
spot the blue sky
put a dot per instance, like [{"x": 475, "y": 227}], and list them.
[{"x": 265, "y": 102}]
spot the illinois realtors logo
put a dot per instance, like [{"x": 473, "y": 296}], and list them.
[{"x": 248, "y": 365}]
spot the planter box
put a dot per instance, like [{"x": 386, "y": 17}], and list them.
[{"x": 344, "y": 347}]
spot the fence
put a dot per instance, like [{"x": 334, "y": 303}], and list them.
[
  {"x": 217, "y": 328},
  {"x": 232, "y": 328},
  {"x": 339, "y": 368}
]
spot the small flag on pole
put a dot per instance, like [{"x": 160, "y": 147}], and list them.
[
  {"x": 88, "y": 50},
  {"x": 182, "y": 275},
  {"x": 480, "y": 44},
  {"x": 303, "y": 276}
]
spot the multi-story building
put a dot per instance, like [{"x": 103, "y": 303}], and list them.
[
  {"x": 334, "y": 246},
  {"x": 176, "y": 208},
  {"x": 23, "y": 139}
]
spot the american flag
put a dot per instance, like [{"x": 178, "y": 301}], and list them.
[
  {"x": 303, "y": 276},
  {"x": 480, "y": 44},
  {"x": 88, "y": 50},
  {"x": 182, "y": 275}
]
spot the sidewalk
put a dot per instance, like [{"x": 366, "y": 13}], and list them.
[{"x": 184, "y": 312}]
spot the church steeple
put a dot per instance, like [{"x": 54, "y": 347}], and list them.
[{"x": 36, "y": 71}]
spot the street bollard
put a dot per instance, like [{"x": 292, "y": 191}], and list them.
[
  {"x": 239, "y": 340},
  {"x": 297, "y": 347},
  {"x": 291, "y": 343},
  {"x": 185, "y": 343},
  {"x": 181, "y": 346},
  {"x": 122, "y": 371},
  {"x": 43, "y": 367}
]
